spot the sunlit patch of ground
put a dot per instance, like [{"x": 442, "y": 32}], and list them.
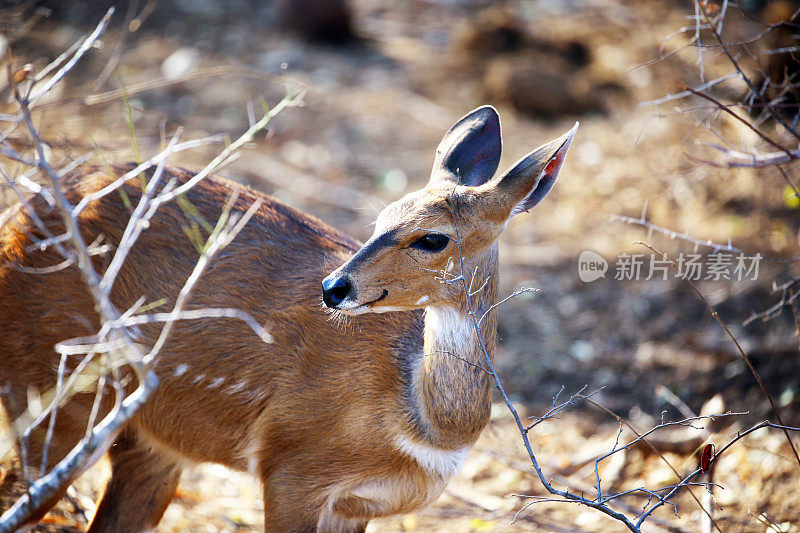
[{"x": 758, "y": 483}]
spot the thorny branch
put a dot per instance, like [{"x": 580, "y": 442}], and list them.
[
  {"x": 652, "y": 228},
  {"x": 114, "y": 336},
  {"x": 755, "y": 92},
  {"x": 603, "y": 503},
  {"x": 757, "y": 98},
  {"x": 788, "y": 298},
  {"x": 499, "y": 385},
  {"x": 558, "y": 407},
  {"x": 741, "y": 351}
]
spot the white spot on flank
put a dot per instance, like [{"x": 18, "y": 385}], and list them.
[
  {"x": 180, "y": 370},
  {"x": 446, "y": 463},
  {"x": 216, "y": 383},
  {"x": 422, "y": 300},
  {"x": 236, "y": 388},
  {"x": 252, "y": 395},
  {"x": 197, "y": 379}
]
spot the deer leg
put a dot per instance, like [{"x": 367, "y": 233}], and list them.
[
  {"x": 291, "y": 505},
  {"x": 143, "y": 481},
  {"x": 14, "y": 476},
  {"x": 14, "y": 484},
  {"x": 282, "y": 515},
  {"x": 330, "y": 522},
  {"x": 287, "y": 511}
]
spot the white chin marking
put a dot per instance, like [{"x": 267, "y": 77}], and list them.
[
  {"x": 363, "y": 309},
  {"x": 384, "y": 309},
  {"x": 358, "y": 310}
]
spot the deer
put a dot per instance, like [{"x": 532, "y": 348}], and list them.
[{"x": 373, "y": 389}]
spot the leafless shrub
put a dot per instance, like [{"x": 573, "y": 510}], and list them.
[
  {"x": 755, "y": 85},
  {"x": 751, "y": 81},
  {"x": 32, "y": 170},
  {"x": 611, "y": 503}
]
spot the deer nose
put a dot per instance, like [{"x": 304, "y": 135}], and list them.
[{"x": 335, "y": 290}]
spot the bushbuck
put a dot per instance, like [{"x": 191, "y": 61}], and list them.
[{"x": 369, "y": 397}]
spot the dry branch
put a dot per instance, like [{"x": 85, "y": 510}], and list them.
[
  {"x": 742, "y": 353},
  {"x": 114, "y": 336}
]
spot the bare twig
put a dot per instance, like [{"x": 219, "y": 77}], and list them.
[
  {"x": 747, "y": 123},
  {"x": 565, "y": 495},
  {"x": 652, "y": 228},
  {"x": 788, "y": 298},
  {"x": 754, "y": 90},
  {"x": 738, "y": 347},
  {"x": 82, "y": 49}
]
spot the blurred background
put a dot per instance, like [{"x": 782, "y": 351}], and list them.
[{"x": 384, "y": 79}]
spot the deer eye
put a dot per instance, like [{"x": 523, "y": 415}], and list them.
[{"x": 432, "y": 242}]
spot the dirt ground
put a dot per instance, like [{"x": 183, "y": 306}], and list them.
[{"x": 375, "y": 108}]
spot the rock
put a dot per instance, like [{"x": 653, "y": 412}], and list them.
[
  {"x": 326, "y": 21},
  {"x": 493, "y": 31},
  {"x": 540, "y": 76},
  {"x": 180, "y": 62},
  {"x": 539, "y": 86}
]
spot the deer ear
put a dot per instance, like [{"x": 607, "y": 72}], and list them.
[
  {"x": 470, "y": 152},
  {"x": 527, "y": 182}
]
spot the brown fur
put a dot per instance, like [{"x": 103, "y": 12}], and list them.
[
  {"x": 341, "y": 422},
  {"x": 310, "y": 397}
]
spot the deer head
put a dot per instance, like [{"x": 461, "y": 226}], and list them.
[{"x": 463, "y": 209}]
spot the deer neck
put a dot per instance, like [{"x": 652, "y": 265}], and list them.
[{"x": 452, "y": 389}]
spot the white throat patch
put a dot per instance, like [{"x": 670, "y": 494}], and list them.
[{"x": 452, "y": 331}]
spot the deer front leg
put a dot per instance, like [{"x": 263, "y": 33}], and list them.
[
  {"x": 67, "y": 432},
  {"x": 290, "y": 518},
  {"x": 292, "y": 503},
  {"x": 13, "y": 484},
  {"x": 143, "y": 481}
]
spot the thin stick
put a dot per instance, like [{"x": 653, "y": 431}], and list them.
[
  {"x": 738, "y": 347},
  {"x": 747, "y": 123},
  {"x": 520, "y": 426},
  {"x": 87, "y": 44}
]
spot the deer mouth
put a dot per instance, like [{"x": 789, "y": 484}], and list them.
[
  {"x": 383, "y": 295},
  {"x": 366, "y": 307}
]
